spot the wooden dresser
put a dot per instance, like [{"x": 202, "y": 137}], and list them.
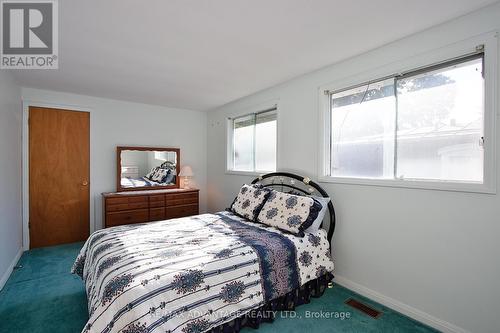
[{"x": 145, "y": 206}]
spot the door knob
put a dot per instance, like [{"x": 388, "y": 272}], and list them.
[{"x": 85, "y": 183}]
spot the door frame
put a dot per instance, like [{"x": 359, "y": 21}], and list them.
[{"x": 25, "y": 162}]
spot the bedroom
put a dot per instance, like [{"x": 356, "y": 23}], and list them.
[{"x": 414, "y": 194}]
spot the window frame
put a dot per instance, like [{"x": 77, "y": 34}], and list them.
[
  {"x": 426, "y": 60},
  {"x": 262, "y": 108}
]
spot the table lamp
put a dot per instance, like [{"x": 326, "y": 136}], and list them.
[{"x": 186, "y": 173}]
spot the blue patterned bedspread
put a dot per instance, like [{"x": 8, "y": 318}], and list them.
[
  {"x": 191, "y": 274},
  {"x": 129, "y": 182}
]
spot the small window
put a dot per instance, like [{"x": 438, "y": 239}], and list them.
[
  {"x": 253, "y": 142},
  {"x": 425, "y": 125}
]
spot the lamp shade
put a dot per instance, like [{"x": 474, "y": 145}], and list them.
[{"x": 186, "y": 171}]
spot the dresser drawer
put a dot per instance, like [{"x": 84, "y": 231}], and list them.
[
  {"x": 126, "y": 200},
  {"x": 156, "y": 214},
  {"x": 155, "y": 198},
  {"x": 181, "y": 211},
  {"x": 178, "y": 202},
  {"x": 154, "y": 204},
  {"x": 156, "y": 201},
  {"x": 127, "y": 206},
  {"x": 182, "y": 199},
  {"x": 127, "y": 217}
]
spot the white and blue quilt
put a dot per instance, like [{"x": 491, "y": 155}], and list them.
[
  {"x": 192, "y": 274},
  {"x": 128, "y": 182}
]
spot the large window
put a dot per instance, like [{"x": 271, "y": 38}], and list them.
[
  {"x": 252, "y": 141},
  {"x": 423, "y": 125}
]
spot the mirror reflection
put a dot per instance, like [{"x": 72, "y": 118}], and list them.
[{"x": 148, "y": 168}]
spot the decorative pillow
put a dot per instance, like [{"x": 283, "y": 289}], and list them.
[
  {"x": 289, "y": 212},
  {"x": 150, "y": 174},
  {"x": 169, "y": 177},
  {"x": 168, "y": 165},
  {"x": 321, "y": 215},
  {"x": 249, "y": 201},
  {"x": 158, "y": 175}
]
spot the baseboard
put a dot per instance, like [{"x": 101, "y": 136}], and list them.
[
  {"x": 9, "y": 270},
  {"x": 398, "y": 306}
]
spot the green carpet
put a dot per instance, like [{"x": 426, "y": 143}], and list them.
[{"x": 43, "y": 297}]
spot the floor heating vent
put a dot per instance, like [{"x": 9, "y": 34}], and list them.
[{"x": 366, "y": 309}]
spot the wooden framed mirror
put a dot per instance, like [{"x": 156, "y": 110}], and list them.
[{"x": 147, "y": 168}]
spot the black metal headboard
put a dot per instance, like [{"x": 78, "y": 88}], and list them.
[{"x": 304, "y": 185}]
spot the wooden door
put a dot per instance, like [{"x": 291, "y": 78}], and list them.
[{"x": 59, "y": 155}]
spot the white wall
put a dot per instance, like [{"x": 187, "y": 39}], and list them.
[
  {"x": 139, "y": 159},
  {"x": 10, "y": 175},
  {"x": 115, "y": 123},
  {"x": 431, "y": 254}
]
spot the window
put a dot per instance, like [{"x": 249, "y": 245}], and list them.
[
  {"x": 440, "y": 123},
  {"x": 363, "y": 130},
  {"x": 426, "y": 125},
  {"x": 252, "y": 142}
]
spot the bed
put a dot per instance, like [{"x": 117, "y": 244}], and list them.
[
  {"x": 211, "y": 272},
  {"x": 132, "y": 182},
  {"x": 162, "y": 175}
]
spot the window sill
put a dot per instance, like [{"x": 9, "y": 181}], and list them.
[
  {"x": 246, "y": 173},
  {"x": 413, "y": 184}
]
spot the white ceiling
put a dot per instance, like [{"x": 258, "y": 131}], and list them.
[{"x": 202, "y": 54}]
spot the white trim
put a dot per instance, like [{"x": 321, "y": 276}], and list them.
[
  {"x": 10, "y": 269},
  {"x": 246, "y": 173},
  {"x": 229, "y": 135},
  {"x": 489, "y": 186},
  {"x": 25, "y": 162},
  {"x": 401, "y": 307},
  {"x": 413, "y": 184}
]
